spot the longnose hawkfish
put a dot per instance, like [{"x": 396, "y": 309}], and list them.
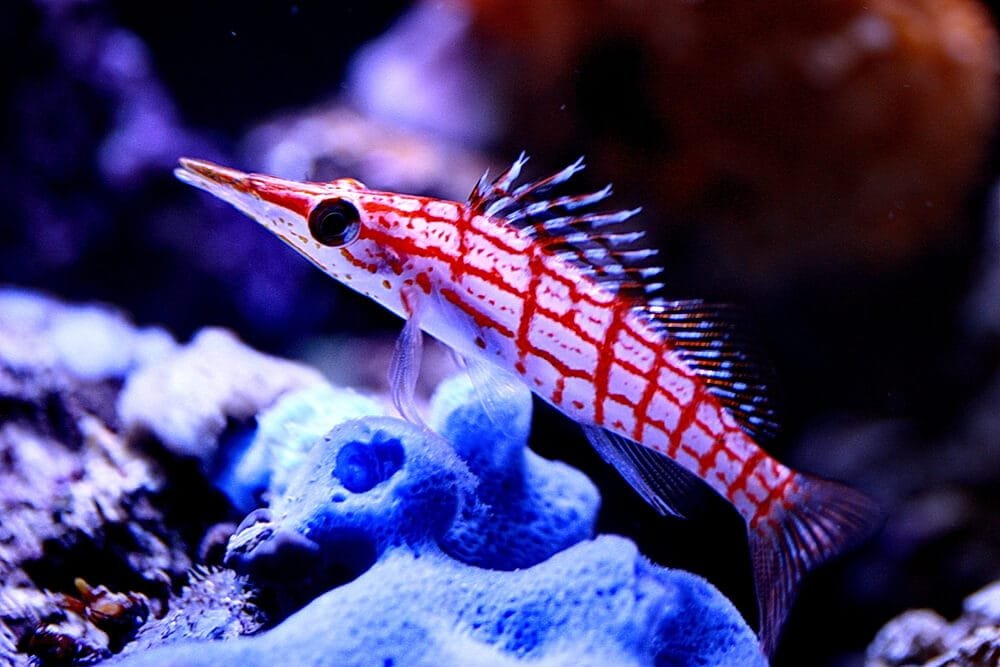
[{"x": 546, "y": 290}]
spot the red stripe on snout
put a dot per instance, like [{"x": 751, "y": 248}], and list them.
[{"x": 281, "y": 195}]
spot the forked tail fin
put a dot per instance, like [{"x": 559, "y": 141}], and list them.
[{"x": 818, "y": 520}]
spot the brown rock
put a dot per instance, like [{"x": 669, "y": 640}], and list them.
[{"x": 796, "y": 136}]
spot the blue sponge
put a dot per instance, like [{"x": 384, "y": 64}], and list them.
[
  {"x": 284, "y": 434},
  {"x": 464, "y": 548},
  {"x": 528, "y": 507},
  {"x": 596, "y": 603},
  {"x": 494, "y": 504}
]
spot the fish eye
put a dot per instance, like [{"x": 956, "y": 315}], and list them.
[{"x": 335, "y": 222}]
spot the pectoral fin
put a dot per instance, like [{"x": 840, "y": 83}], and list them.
[
  {"x": 404, "y": 369},
  {"x": 497, "y": 390}
]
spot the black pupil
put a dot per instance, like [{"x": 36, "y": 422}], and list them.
[{"x": 334, "y": 222}]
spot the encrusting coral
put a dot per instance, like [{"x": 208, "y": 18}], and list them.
[
  {"x": 428, "y": 527},
  {"x": 597, "y": 603}
]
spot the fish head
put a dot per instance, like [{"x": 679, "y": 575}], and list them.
[{"x": 345, "y": 229}]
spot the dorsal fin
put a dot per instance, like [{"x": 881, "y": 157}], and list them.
[
  {"x": 708, "y": 338},
  {"x": 596, "y": 242},
  {"x": 600, "y": 246}
]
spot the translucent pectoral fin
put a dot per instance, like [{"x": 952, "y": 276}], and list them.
[
  {"x": 502, "y": 395},
  {"x": 666, "y": 485},
  {"x": 404, "y": 369},
  {"x": 504, "y": 398}
]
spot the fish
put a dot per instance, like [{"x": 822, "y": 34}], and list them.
[{"x": 553, "y": 291}]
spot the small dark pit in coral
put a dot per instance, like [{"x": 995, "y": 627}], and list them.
[{"x": 362, "y": 465}]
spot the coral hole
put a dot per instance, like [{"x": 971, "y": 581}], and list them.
[{"x": 362, "y": 465}]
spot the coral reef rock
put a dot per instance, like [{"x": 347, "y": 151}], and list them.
[
  {"x": 188, "y": 398},
  {"x": 922, "y": 637},
  {"x": 77, "y": 501},
  {"x": 66, "y": 474}
]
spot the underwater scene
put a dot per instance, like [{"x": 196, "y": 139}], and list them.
[{"x": 500, "y": 332}]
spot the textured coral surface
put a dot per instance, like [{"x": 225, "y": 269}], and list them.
[{"x": 597, "y": 603}]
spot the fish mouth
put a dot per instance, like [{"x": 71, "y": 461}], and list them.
[
  {"x": 210, "y": 170},
  {"x": 230, "y": 185},
  {"x": 254, "y": 194},
  {"x": 211, "y": 177}
]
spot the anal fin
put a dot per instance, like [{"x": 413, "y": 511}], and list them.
[{"x": 662, "y": 482}]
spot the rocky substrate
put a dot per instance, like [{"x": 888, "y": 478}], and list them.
[{"x": 924, "y": 637}]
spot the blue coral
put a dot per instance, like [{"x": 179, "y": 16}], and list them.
[
  {"x": 284, "y": 434},
  {"x": 464, "y": 547},
  {"x": 596, "y": 603},
  {"x": 528, "y": 507}
]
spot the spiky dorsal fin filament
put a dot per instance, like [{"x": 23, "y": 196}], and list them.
[
  {"x": 487, "y": 194},
  {"x": 563, "y": 225},
  {"x": 711, "y": 341},
  {"x": 600, "y": 247}
]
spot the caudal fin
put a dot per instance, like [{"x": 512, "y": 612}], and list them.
[{"x": 819, "y": 520}]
